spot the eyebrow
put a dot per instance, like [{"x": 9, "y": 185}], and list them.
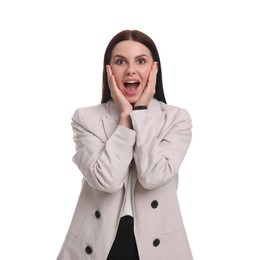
[{"x": 137, "y": 57}]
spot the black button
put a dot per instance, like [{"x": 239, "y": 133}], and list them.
[
  {"x": 97, "y": 214},
  {"x": 88, "y": 250},
  {"x": 154, "y": 204},
  {"x": 156, "y": 242}
]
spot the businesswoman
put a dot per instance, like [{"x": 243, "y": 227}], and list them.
[{"x": 129, "y": 149}]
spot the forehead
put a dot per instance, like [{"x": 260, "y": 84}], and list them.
[{"x": 130, "y": 48}]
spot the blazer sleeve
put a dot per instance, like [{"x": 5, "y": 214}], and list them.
[
  {"x": 158, "y": 161},
  {"x": 104, "y": 164}
]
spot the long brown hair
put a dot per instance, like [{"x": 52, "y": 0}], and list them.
[{"x": 143, "y": 39}]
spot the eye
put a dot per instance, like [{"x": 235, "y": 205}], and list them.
[
  {"x": 120, "y": 61},
  {"x": 142, "y": 61}
]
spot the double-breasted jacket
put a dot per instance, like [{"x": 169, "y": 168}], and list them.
[{"x": 152, "y": 152}]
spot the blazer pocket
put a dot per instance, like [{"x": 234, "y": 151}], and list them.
[
  {"x": 74, "y": 248},
  {"x": 174, "y": 245}
]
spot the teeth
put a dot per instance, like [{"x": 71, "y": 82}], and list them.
[{"x": 131, "y": 82}]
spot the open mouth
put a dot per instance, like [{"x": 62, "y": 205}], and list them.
[{"x": 131, "y": 86}]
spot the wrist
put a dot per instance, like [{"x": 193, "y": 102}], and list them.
[{"x": 125, "y": 120}]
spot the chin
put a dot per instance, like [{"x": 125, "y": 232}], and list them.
[{"x": 132, "y": 100}]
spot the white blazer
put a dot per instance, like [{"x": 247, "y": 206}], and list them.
[{"x": 105, "y": 153}]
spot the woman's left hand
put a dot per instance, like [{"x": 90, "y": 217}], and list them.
[{"x": 149, "y": 90}]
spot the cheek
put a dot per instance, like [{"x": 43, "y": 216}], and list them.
[
  {"x": 146, "y": 73},
  {"x": 117, "y": 73}
]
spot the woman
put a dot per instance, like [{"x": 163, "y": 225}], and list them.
[{"x": 129, "y": 149}]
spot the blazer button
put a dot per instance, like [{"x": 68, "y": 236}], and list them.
[
  {"x": 88, "y": 250},
  {"x": 97, "y": 214},
  {"x": 156, "y": 242},
  {"x": 154, "y": 204}
]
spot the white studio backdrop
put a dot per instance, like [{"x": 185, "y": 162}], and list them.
[{"x": 212, "y": 55}]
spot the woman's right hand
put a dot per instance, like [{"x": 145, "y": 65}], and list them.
[
  {"x": 123, "y": 104},
  {"x": 118, "y": 97}
]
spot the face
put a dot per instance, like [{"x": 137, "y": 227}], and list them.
[{"x": 131, "y": 63}]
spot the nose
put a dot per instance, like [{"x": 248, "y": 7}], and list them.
[{"x": 131, "y": 69}]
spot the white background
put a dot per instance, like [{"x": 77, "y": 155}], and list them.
[{"x": 213, "y": 61}]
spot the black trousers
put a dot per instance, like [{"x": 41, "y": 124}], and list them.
[{"x": 124, "y": 246}]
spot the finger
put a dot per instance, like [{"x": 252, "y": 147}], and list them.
[
  {"x": 109, "y": 72},
  {"x": 111, "y": 79},
  {"x": 108, "y": 68},
  {"x": 155, "y": 68},
  {"x": 152, "y": 76}
]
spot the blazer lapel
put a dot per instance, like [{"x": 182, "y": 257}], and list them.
[
  {"x": 109, "y": 126},
  {"x": 110, "y": 122},
  {"x": 159, "y": 115}
]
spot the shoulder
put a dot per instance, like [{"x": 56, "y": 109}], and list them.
[
  {"x": 82, "y": 112},
  {"x": 89, "y": 115},
  {"x": 175, "y": 113}
]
